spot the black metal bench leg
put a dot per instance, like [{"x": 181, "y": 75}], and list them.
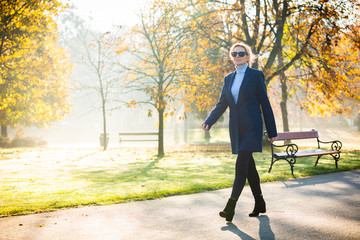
[
  {"x": 272, "y": 162},
  {"x": 292, "y": 162},
  {"x": 317, "y": 160},
  {"x": 336, "y": 158}
]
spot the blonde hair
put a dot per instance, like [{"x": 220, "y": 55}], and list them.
[{"x": 248, "y": 51}]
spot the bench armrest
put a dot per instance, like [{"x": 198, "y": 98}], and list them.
[
  {"x": 291, "y": 148},
  {"x": 335, "y": 145}
]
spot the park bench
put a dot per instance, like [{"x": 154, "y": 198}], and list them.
[
  {"x": 292, "y": 150},
  {"x": 129, "y": 138}
]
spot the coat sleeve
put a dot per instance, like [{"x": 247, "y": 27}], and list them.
[
  {"x": 219, "y": 108},
  {"x": 266, "y": 107}
]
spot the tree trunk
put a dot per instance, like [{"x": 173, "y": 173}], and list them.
[
  {"x": 161, "y": 134},
  {"x": 186, "y": 128},
  {"x": 4, "y": 133},
  {"x": 104, "y": 127},
  {"x": 207, "y": 136},
  {"x": 103, "y": 105},
  {"x": 357, "y": 121},
  {"x": 284, "y": 96}
]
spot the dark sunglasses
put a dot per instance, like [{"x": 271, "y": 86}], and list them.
[{"x": 240, "y": 54}]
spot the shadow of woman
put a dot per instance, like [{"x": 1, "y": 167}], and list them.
[
  {"x": 234, "y": 229},
  {"x": 265, "y": 231}
]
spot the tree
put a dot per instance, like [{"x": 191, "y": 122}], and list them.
[
  {"x": 105, "y": 79},
  {"x": 331, "y": 79},
  {"x": 34, "y": 70},
  {"x": 204, "y": 75},
  {"x": 159, "y": 62},
  {"x": 317, "y": 72}
]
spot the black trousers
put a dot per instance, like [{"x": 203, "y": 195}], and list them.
[{"x": 245, "y": 169}]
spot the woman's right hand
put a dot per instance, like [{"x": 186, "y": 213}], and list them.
[
  {"x": 205, "y": 127},
  {"x": 272, "y": 139}
]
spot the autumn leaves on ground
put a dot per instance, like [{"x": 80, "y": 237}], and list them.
[{"x": 45, "y": 179}]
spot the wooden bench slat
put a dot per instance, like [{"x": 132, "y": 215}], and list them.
[
  {"x": 296, "y": 135},
  {"x": 308, "y": 153},
  {"x": 139, "y": 140},
  {"x": 131, "y": 137},
  {"x": 138, "y": 134}
]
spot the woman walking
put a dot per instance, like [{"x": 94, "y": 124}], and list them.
[{"x": 244, "y": 92}]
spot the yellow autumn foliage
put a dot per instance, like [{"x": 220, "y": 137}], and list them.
[{"x": 34, "y": 70}]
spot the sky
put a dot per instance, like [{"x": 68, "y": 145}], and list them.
[{"x": 106, "y": 13}]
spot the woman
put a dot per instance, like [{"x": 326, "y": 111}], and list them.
[{"x": 244, "y": 92}]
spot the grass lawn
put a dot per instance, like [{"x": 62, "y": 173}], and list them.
[{"x": 45, "y": 179}]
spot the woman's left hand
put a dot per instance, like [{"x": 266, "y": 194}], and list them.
[{"x": 272, "y": 139}]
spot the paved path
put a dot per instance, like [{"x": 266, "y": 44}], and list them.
[{"x": 319, "y": 207}]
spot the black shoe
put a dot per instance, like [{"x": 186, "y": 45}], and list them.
[
  {"x": 260, "y": 206},
  {"x": 229, "y": 210}
]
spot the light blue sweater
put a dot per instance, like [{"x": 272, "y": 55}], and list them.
[{"x": 239, "y": 77}]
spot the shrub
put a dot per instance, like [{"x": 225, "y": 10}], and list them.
[{"x": 21, "y": 142}]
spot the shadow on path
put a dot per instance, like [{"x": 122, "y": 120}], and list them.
[
  {"x": 349, "y": 179},
  {"x": 234, "y": 229},
  {"x": 265, "y": 231}
]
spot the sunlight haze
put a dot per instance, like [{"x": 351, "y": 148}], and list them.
[{"x": 107, "y": 13}]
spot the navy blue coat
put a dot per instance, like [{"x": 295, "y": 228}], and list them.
[{"x": 245, "y": 121}]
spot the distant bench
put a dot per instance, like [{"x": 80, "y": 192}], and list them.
[
  {"x": 137, "y": 139},
  {"x": 291, "y": 153}
]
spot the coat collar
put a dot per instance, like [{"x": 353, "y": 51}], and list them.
[
  {"x": 245, "y": 81},
  {"x": 232, "y": 77}
]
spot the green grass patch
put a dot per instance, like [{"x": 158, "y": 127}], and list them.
[{"x": 46, "y": 179}]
